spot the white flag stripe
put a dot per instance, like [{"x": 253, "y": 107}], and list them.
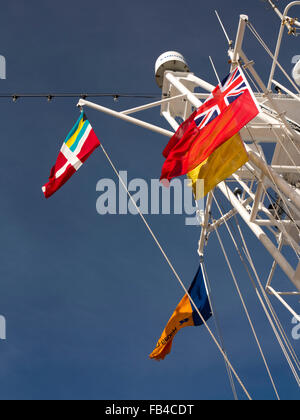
[
  {"x": 71, "y": 159},
  {"x": 82, "y": 140},
  {"x": 72, "y": 156}
]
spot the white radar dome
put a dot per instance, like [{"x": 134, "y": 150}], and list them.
[
  {"x": 172, "y": 61},
  {"x": 296, "y": 73}
]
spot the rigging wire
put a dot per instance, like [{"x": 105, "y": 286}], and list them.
[
  {"x": 251, "y": 78},
  {"x": 264, "y": 45},
  {"x": 270, "y": 306},
  {"x": 248, "y": 256},
  {"x": 277, "y": 217},
  {"x": 285, "y": 149},
  {"x": 272, "y": 310},
  {"x": 216, "y": 318},
  {"x": 276, "y": 319},
  {"x": 244, "y": 304},
  {"x": 278, "y": 192},
  {"x": 278, "y": 205},
  {"x": 175, "y": 273},
  {"x": 267, "y": 49},
  {"x": 285, "y": 338},
  {"x": 276, "y": 116},
  {"x": 218, "y": 328}
]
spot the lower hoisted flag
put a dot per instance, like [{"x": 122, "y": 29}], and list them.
[
  {"x": 185, "y": 315},
  {"x": 78, "y": 146}
]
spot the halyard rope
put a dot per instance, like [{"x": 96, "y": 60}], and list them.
[{"x": 175, "y": 273}]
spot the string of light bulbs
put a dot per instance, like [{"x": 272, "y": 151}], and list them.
[{"x": 50, "y": 96}]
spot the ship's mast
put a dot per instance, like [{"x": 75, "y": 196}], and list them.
[
  {"x": 274, "y": 218},
  {"x": 265, "y": 193},
  {"x": 255, "y": 180}
]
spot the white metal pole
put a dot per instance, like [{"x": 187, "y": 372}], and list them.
[
  {"x": 127, "y": 118},
  {"x": 257, "y": 199},
  {"x": 182, "y": 89},
  {"x": 267, "y": 94},
  {"x": 151, "y": 105},
  {"x": 276, "y": 55},
  {"x": 275, "y": 178},
  {"x": 293, "y": 95},
  {"x": 173, "y": 123},
  {"x": 205, "y": 224},
  {"x": 273, "y": 292},
  {"x": 239, "y": 41},
  {"x": 286, "y": 169},
  {"x": 227, "y": 216},
  {"x": 201, "y": 83},
  {"x": 260, "y": 234},
  {"x": 272, "y": 221}
]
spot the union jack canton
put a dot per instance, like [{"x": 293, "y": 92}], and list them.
[{"x": 228, "y": 91}]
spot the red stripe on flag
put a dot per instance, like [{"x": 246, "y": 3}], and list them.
[
  {"x": 60, "y": 162},
  {"x": 55, "y": 183},
  {"x": 90, "y": 144}
]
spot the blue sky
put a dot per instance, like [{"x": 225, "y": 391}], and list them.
[{"x": 87, "y": 296}]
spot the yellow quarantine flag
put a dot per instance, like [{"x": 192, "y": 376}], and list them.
[{"x": 225, "y": 161}]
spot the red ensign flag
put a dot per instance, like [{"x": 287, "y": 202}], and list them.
[{"x": 229, "y": 108}]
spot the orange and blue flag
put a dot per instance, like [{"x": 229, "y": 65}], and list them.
[{"x": 185, "y": 315}]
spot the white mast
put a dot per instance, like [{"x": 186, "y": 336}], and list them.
[
  {"x": 278, "y": 124},
  {"x": 268, "y": 195},
  {"x": 282, "y": 173}
]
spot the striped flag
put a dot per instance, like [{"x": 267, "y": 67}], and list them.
[{"x": 78, "y": 146}]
